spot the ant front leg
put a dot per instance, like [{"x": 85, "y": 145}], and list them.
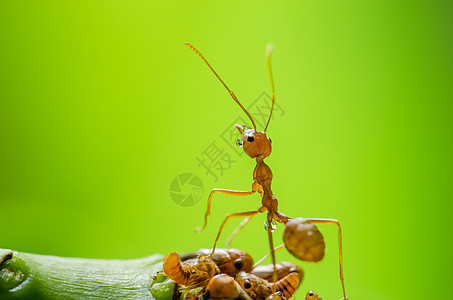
[
  {"x": 226, "y": 192},
  {"x": 229, "y": 216},
  {"x": 334, "y": 222}
]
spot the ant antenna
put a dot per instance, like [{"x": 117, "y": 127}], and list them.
[
  {"x": 218, "y": 77},
  {"x": 269, "y": 49}
]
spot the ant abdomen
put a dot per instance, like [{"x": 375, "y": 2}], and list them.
[{"x": 304, "y": 240}]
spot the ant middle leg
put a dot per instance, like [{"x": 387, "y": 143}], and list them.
[
  {"x": 229, "y": 216},
  {"x": 238, "y": 229},
  {"x": 334, "y": 222},
  {"x": 225, "y": 192}
]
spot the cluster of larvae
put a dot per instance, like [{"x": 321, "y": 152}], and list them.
[{"x": 229, "y": 274}]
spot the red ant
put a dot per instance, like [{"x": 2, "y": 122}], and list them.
[{"x": 258, "y": 146}]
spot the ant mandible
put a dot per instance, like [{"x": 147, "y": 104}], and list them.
[{"x": 257, "y": 145}]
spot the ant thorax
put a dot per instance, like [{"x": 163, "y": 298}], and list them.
[{"x": 255, "y": 143}]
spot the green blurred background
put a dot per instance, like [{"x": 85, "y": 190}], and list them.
[{"x": 102, "y": 106}]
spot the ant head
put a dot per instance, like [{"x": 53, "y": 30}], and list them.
[{"x": 255, "y": 143}]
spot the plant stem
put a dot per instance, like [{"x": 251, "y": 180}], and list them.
[{"x": 31, "y": 276}]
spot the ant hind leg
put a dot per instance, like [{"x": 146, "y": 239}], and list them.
[{"x": 334, "y": 222}]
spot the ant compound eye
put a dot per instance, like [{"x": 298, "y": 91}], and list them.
[
  {"x": 250, "y": 138},
  {"x": 238, "y": 264},
  {"x": 240, "y": 142},
  {"x": 311, "y": 293},
  {"x": 270, "y": 140},
  {"x": 247, "y": 285}
]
